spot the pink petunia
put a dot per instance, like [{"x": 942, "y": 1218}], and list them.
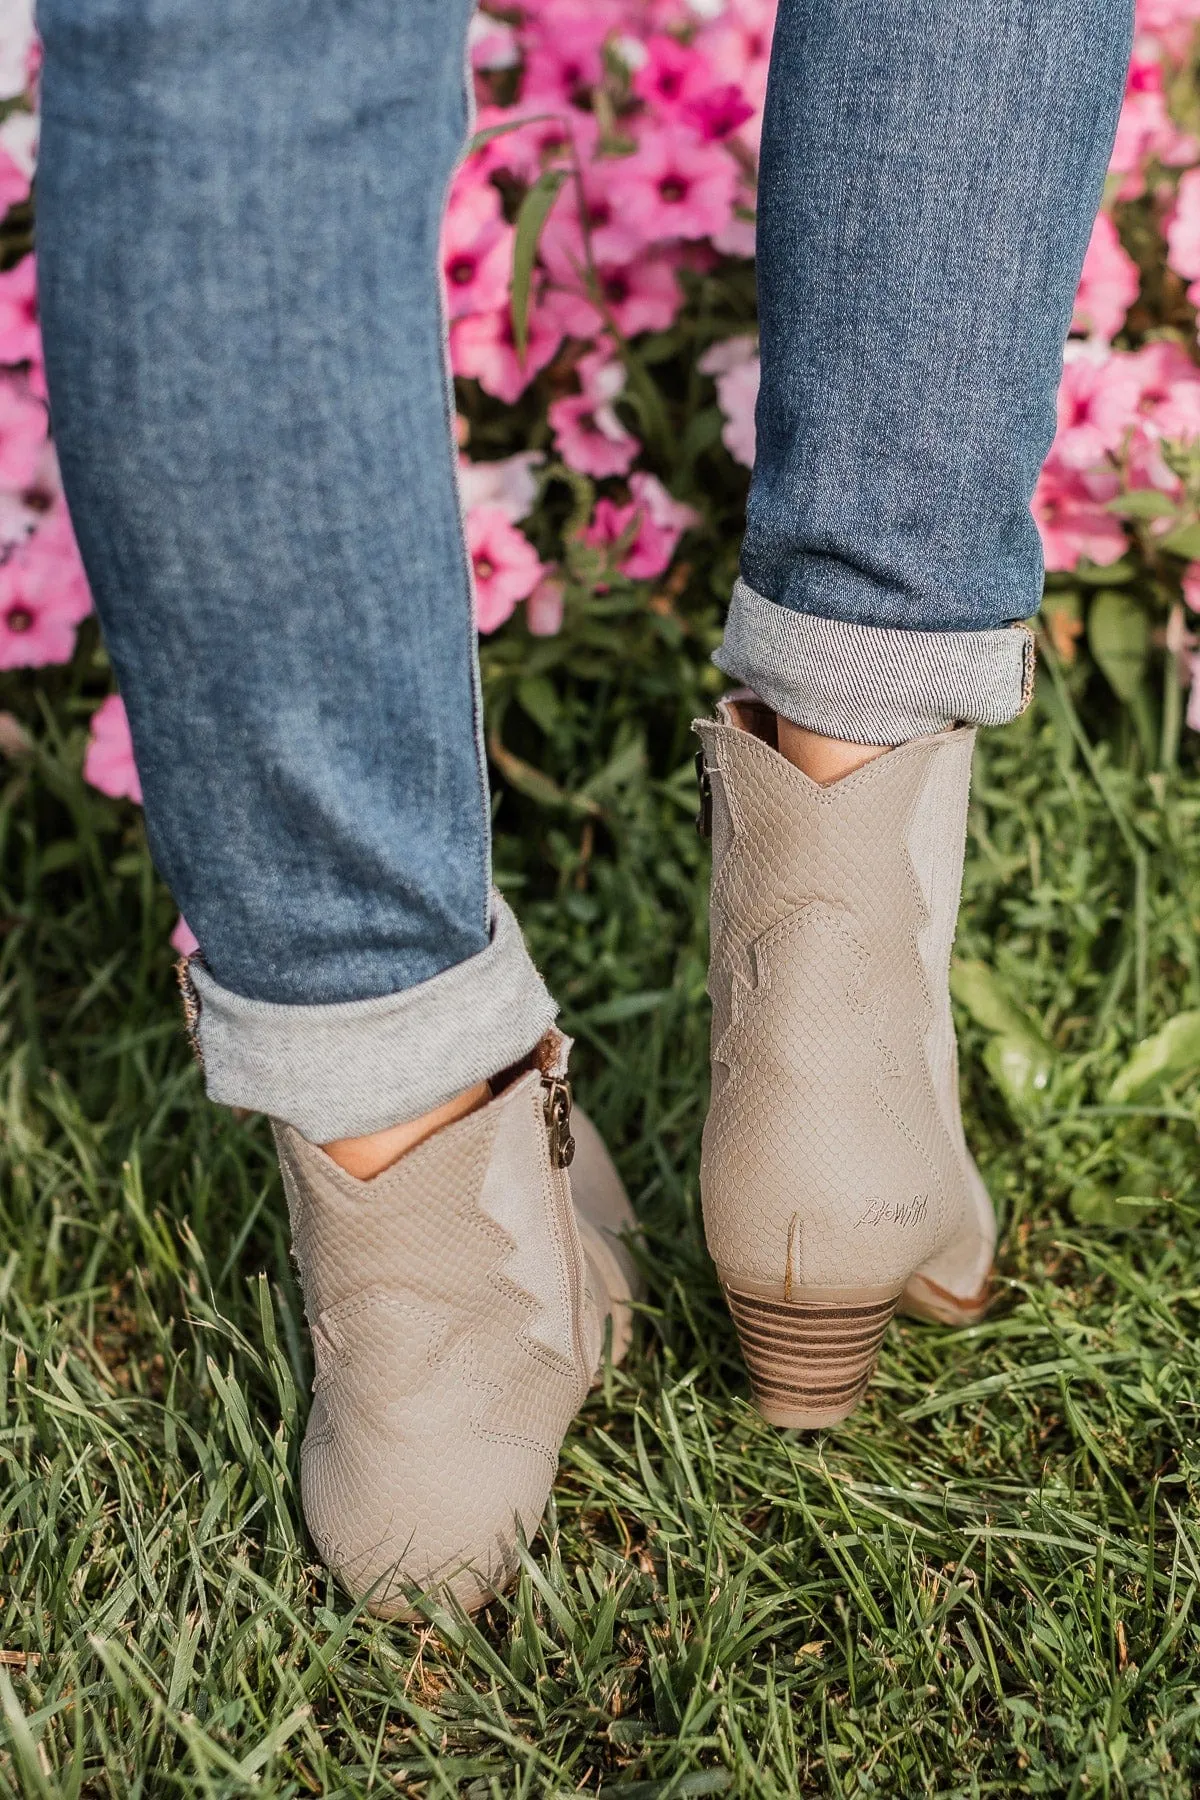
[
  {"x": 476, "y": 249},
  {"x": 1072, "y": 520},
  {"x": 17, "y": 41},
  {"x": 1191, "y": 586},
  {"x": 1183, "y": 233},
  {"x": 505, "y": 564},
  {"x": 509, "y": 483},
  {"x": 483, "y": 346},
  {"x": 674, "y": 186},
  {"x": 1097, "y": 405},
  {"x": 108, "y": 762},
  {"x": 587, "y": 432},
  {"x": 1145, "y": 130},
  {"x": 36, "y": 628},
  {"x": 1108, "y": 285},
  {"x": 23, "y": 426},
  {"x": 564, "y": 48},
  {"x": 640, "y": 293},
  {"x": 183, "y": 939},
  {"x": 544, "y": 608},
  {"x": 20, "y": 338},
  {"x": 735, "y": 368},
  {"x": 491, "y": 43},
  {"x": 659, "y": 522}
]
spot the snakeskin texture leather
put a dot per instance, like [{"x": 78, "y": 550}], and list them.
[
  {"x": 456, "y": 1325},
  {"x": 833, "y": 1154}
]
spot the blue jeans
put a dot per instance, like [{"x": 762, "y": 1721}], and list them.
[{"x": 239, "y": 208}]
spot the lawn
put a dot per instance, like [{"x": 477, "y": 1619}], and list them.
[{"x": 984, "y": 1582}]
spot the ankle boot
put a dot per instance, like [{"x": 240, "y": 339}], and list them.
[
  {"x": 835, "y": 1179},
  {"x": 457, "y": 1307}
]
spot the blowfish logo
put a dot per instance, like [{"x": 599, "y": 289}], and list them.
[{"x": 895, "y": 1212}]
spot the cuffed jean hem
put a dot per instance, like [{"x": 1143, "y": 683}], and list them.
[
  {"x": 359, "y": 1065},
  {"x": 871, "y": 684}
]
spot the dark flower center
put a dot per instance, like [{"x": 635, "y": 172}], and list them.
[
  {"x": 18, "y": 618},
  {"x": 673, "y": 189},
  {"x": 485, "y": 568},
  {"x": 461, "y": 270}
]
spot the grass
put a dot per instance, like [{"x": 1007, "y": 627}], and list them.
[{"x": 987, "y": 1581}]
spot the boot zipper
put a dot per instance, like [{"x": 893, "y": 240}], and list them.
[
  {"x": 556, "y": 1108},
  {"x": 556, "y": 1105}
]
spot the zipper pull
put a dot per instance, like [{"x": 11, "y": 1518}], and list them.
[
  {"x": 704, "y": 816},
  {"x": 556, "y": 1105}
]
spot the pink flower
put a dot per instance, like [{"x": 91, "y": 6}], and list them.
[
  {"x": 1183, "y": 232},
  {"x": 735, "y": 367},
  {"x": 20, "y": 339},
  {"x": 1108, "y": 285},
  {"x": 544, "y": 608},
  {"x": 587, "y": 432},
  {"x": 52, "y": 566},
  {"x": 43, "y": 596},
  {"x": 717, "y": 114},
  {"x": 1097, "y": 405},
  {"x": 476, "y": 249},
  {"x": 22, "y": 433},
  {"x": 108, "y": 763},
  {"x": 671, "y": 75},
  {"x": 640, "y": 291},
  {"x": 16, "y": 46},
  {"x": 183, "y": 938},
  {"x": 483, "y": 346},
  {"x": 14, "y": 182},
  {"x": 564, "y": 48},
  {"x": 506, "y": 566},
  {"x": 673, "y": 186},
  {"x": 1191, "y": 586},
  {"x": 492, "y": 44},
  {"x": 509, "y": 483},
  {"x": 658, "y": 521},
  {"x": 1145, "y": 129},
  {"x": 543, "y": 142},
  {"x": 1071, "y": 518}
]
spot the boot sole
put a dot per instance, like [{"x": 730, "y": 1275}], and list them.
[
  {"x": 924, "y": 1299},
  {"x": 809, "y": 1359}
]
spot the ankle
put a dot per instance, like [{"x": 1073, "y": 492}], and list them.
[
  {"x": 822, "y": 759},
  {"x": 366, "y": 1157}
]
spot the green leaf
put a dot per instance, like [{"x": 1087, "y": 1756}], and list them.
[
  {"x": 1175, "y": 1050},
  {"x": 1184, "y": 542},
  {"x": 1021, "y": 1069},
  {"x": 1098, "y": 575},
  {"x": 1092, "y": 1204},
  {"x": 1142, "y": 503},
  {"x": 494, "y": 131},
  {"x": 538, "y": 697},
  {"x": 977, "y": 987},
  {"x": 1119, "y": 639},
  {"x": 534, "y": 211}
]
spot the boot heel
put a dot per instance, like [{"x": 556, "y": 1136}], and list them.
[{"x": 810, "y": 1360}]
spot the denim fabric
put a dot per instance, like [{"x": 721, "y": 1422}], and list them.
[
  {"x": 238, "y": 216},
  {"x": 239, "y": 206},
  {"x": 930, "y": 173}
]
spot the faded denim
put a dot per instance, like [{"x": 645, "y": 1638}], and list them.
[{"x": 238, "y": 218}]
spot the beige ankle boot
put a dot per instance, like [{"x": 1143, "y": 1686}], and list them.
[
  {"x": 457, "y": 1306},
  {"x": 835, "y": 1180}
]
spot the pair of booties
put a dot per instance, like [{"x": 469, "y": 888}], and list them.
[{"x": 458, "y": 1301}]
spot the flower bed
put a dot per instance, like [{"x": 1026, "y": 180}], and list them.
[{"x": 596, "y": 260}]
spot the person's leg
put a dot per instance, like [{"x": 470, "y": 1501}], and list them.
[
  {"x": 239, "y": 208},
  {"x": 930, "y": 173},
  {"x": 239, "y": 211}
]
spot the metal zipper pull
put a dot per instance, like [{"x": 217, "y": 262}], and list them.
[
  {"x": 704, "y": 816},
  {"x": 556, "y": 1105}
]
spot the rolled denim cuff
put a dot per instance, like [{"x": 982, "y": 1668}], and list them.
[
  {"x": 357, "y": 1066},
  {"x": 872, "y": 684}
]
